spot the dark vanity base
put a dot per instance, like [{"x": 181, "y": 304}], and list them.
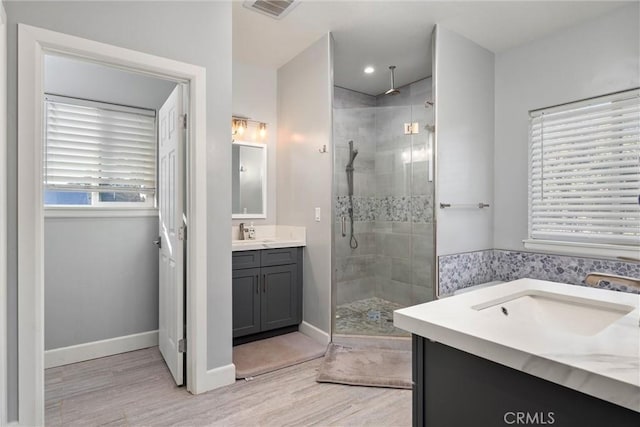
[
  {"x": 264, "y": 335},
  {"x": 453, "y": 388}
]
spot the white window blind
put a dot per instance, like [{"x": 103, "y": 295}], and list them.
[
  {"x": 584, "y": 174},
  {"x": 91, "y": 146}
]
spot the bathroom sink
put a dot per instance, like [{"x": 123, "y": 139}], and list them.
[{"x": 571, "y": 314}]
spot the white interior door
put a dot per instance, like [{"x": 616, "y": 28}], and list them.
[{"x": 171, "y": 149}]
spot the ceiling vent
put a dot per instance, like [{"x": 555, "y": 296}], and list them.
[{"x": 277, "y": 9}]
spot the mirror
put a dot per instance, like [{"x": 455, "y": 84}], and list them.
[{"x": 249, "y": 180}]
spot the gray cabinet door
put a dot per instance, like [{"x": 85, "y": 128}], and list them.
[
  {"x": 280, "y": 304},
  {"x": 246, "y": 301}
]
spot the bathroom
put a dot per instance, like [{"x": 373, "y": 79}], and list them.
[
  {"x": 409, "y": 224},
  {"x": 384, "y": 202}
]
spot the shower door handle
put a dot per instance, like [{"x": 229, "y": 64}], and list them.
[
  {"x": 344, "y": 226},
  {"x": 430, "y": 155}
]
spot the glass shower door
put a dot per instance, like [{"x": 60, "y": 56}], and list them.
[
  {"x": 422, "y": 204},
  {"x": 388, "y": 262}
]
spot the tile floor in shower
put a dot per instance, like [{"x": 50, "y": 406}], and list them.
[{"x": 370, "y": 316}]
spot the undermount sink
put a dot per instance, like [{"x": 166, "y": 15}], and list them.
[{"x": 582, "y": 316}]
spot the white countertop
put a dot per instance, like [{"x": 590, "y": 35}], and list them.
[
  {"x": 605, "y": 364},
  {"x": 270, "y": 237}
]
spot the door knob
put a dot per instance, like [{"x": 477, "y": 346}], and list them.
[{"x": 158, "y": 242}]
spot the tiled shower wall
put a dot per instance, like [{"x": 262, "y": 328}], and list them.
[
  {"x": 463, "y": 270},
  {"x": 354, "y": 119},
  {"x": 393, "y": 200}
]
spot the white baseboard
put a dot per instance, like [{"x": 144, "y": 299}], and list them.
[
  {"x": 318, "y": 335},
  {"x": 219, "y": 377},
  {"x": 96, "y": 349}
]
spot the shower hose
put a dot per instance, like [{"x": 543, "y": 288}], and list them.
[{"x": 353, "y": 242}]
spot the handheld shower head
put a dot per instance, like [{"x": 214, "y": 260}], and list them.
[{"x": 352, "y": 155}]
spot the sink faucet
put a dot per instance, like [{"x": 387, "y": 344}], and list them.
[
  {"x": 594, "y": 279},
  {"x": 242, "y": 231}
]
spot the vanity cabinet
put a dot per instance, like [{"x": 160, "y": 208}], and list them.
[
  {"x": 267, "y": 292},
  {"x": 497, "y": 395}
]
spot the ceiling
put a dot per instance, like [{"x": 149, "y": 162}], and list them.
[
  {"x": 383, "y": 33},
  {"x": 89, "y": 80}
]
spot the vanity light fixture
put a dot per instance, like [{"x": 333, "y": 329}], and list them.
[{"x": 240, "y": 126}]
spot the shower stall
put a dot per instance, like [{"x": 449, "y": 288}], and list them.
[{"x": 384, "y": 256}]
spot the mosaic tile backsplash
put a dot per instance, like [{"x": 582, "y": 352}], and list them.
[
  {"x": 460, "y": 271},
  {"x": 417, "y": 209}
]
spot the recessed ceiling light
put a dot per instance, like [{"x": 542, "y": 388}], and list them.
[{"x": 369, "y": 69}]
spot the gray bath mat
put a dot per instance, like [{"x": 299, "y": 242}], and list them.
[
  {"x": 373, "y": 367},
  {"x": 271, "y": 354}
]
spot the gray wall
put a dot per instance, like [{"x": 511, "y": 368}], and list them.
[
  {"x": 101, "y": 279},
  {"x": 197, "y": 33},
  {"x": 69, "y": 77},
  {"x": 3, "y": 221},
  {"x": 304, "y": 115},
  {"x": 464, "y": 96},
  {"x": 255, "y": 96},
  {"x": 594, "y": 58}
]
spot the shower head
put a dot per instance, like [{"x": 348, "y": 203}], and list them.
[
  {"x": 354, "y": 153},
  {"x": 393, "y": 90}
]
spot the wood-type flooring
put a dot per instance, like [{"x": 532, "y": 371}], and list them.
[{"x": 136, "y": 389}]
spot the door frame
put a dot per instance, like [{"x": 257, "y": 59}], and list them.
[
  {"x": 33, "y": 44},
  {"x": 3, "y": 216}
]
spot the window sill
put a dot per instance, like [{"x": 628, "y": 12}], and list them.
[
  {"x": 98, "y": 212},
  {"x": 619, "y": 252}
]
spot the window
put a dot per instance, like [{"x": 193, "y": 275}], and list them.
[
  {"x": 98, "y": 155},
  {"x": 584, "y": 172}
]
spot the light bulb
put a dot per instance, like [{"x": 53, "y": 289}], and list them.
[
  {"x": 263, "y": 130},
  {"x": 241, "y": 127}
]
